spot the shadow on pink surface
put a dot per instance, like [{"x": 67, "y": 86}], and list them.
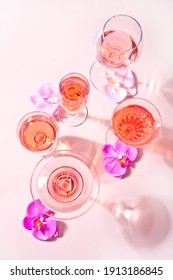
[
  {"x": 164, "y": 146},
  {"x": 144, "y": 221},
  {"x": 167, "y": 91},
  {"x": 62, "y": 227},
  {"x": 88, "y": 148}
]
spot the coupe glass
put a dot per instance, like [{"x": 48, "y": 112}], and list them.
[
  {"x": 38, "y": 132},
  {"x": 136, "y": 122},
  {"x": 67, "y": 183},
  {"x": 74, "y": 91},
  {"x": 118, "y": 43}
]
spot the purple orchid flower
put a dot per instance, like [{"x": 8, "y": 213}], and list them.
[
  {"x": 43, "y": 227},
  {"x": 118, "y": 158},
  {"x": 120, "y": 83},
  {"x": 46, "y": 99}
]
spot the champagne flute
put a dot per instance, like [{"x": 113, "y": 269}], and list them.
[
  {"x": 38, "y": 132},
  {"x": 74, "y": 91},
  {"x": 118, "y": 44},
  {"x": 136, "y": 122},
  {"x": 66, "y": 182}
]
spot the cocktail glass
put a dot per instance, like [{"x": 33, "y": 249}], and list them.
[{"x": 67, "y": 183}]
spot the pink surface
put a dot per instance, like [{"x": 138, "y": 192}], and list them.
[{"x": 41, "y": 41}]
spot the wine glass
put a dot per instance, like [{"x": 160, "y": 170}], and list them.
[
  {"x": 74, "y": 91},
  {"x": 66, "y": 182},
  {"x": 136, "y": 122},
  {"x": 118, "y": 44},
  {"x": 38, "y": 132}
]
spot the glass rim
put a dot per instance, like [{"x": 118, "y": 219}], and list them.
[
  {"x": 150, "y": 107},
  {"x": 133, "y": 19},
  {"x": 72, "y": 74},
  {"x": 131, "y": 101},
  {"x": 36, "y": 113},
  {"x": 58, "y": 154}
]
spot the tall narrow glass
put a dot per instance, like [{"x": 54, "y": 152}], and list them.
[{"x": 74, "y": 92}]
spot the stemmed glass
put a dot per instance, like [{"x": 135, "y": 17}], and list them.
[
  {"x": 66, "y": 182},
  {"x": 118, "y": 44},
  {"x": 136, "y": 122},
  {"x": 74, "y": 91},
  {"x": 38, "y": 132}
]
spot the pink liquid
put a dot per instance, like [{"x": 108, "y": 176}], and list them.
[
  {"x": 74, "y": 91},
  {"x": 134, "y": 125},
  {"x": 116, "y": 49},
  {"x": 65, "y": 184},
  {"x": 38, "y": 133}
]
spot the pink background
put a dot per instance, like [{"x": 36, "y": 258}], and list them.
[{"x": 42, "y": 41}]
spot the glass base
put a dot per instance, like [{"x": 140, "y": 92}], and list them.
[
  {"x": 98, "y": 75},
  {"x": 73, "y": 119},
  {"x": 110, "y": 137}
]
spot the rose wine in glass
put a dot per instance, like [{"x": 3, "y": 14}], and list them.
[
  {"x": 118, "y": 44},
  {"x": 74, "y": 90},
  {"x": 67, "y": 183},
  {"x": 116, "y": 49},
  {"x": 38, "y": 132},
  {"x": 135, "y": 122}
]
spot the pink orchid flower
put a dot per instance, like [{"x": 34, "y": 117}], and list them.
[
  {"x": 43, "y": 227},
  {"x": 120, "y": 83},
  {"x": 46, "y": 99},
  {"x": 118, "y": 158}
]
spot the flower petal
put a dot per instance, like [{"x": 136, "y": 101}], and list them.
[
  {"x": 119, "y": 73},
  {"x": 122, "y": 93},
  {"x": 46, "y": 90},
  {"x": 116, "y": 95},
  {"x": 128, "y": 78},
  {"x": 113, "y": 167},
  {"x": 48, "y": 230},
  {"x": 120, "y": 147},
  {"x": 132, "y": 153},
  {"x": 36, "y": 209},
  {"x": 109, "y": 91},
  {"x": 125, "y": 76},
  {"x": 28, "y": 223},
  {"x": 131, "y": 91},
  {"x": 35, "y": 99},
  {"x": 109, "y": 151}
]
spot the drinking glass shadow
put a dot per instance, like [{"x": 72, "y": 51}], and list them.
[{"x": 144, "y": 221}]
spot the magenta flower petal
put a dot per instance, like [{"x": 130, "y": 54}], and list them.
[
  {"x": 37, "y": 220},
  {"x": 46, "y": 231},
  {"x": 132, "y": 153},
  {"x": 120, "y": 147},
  {"x": 28, "y": 223},
  {"x": 118, "y": 158},
  {"x": 36, "y": 208},
  {"x": 110, "y": 151},
  {"x": 113, "y": 167}
]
